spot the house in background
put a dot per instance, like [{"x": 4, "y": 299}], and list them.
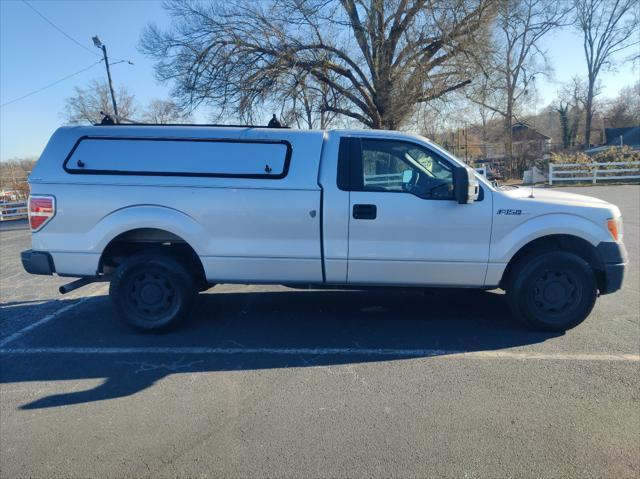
[
  {"x": 618, "y": 137},
  {"x": 528, "y": 145},
  {"x": 529, "y": 142}
]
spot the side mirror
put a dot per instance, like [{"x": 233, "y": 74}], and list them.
[
  {"x": 407, "y": 176},
  {"x": 465, "y": 185}
]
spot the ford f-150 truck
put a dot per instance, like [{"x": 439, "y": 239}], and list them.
[{"x": 163, "y": 212}]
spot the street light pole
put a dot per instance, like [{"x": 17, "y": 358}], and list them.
[{"x": 102, "y": 46}]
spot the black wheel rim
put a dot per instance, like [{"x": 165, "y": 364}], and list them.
[
  {"x": 556, "y": 293},
  {"x": 151, "y": 295}
]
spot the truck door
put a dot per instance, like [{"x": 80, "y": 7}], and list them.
[{"x": 405, "y": 226}]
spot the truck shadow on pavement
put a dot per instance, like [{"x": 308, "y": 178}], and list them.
[{"x": 231, "y": 331}]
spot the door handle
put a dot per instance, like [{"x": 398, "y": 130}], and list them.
[{"x": 365, "y": 212}]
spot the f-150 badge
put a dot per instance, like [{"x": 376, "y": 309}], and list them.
[{"x": 509, "y": 212}]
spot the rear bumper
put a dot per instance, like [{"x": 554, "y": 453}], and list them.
[
  {"x": 614, "y": 260},
  {"x": 37, "y": 262}
]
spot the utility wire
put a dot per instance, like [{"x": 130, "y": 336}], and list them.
[
  {"x": 51, "y": 84},
  {"x": 67, "y": 35},
  {"x": 59, "y": 29}
]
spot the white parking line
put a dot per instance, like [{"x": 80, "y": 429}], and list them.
[
  {"x": 40, "y": 322},
  {"x": 403, "y": 353}
]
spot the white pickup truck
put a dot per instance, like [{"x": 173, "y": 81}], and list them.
[{"x": 163, "y": 212}]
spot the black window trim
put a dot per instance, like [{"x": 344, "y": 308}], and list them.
[
  {"x": 261, "y": 176},
  {"x": 354, "y": 145},
  {"x": 343, "y": 178}
]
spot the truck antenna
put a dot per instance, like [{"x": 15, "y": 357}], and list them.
[{"x": 533, "y": 166}]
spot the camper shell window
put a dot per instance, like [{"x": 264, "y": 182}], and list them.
[{"x": 226, "y": 158}]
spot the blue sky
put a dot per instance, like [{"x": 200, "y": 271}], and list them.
[{"x": 34, "y": 54}]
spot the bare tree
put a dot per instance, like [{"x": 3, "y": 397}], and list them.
[
  {"x": 485, "y": 95},
  {"x": 607, "y": 26},
  {"x": 13, "y": 178},
  {"x": 305, "y": 102},
  {"x": 162, "y": 112},
  {"x": 624, "y": 110},
  {"x": 87, "y": 103},
  {"x": 379, "y": 57},
  {"x": 516, "y": 58},
  {"x": 570, "y": 107},
  {"x": 563, "y": 112}
]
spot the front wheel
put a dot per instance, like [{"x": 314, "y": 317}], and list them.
[
  {"x": 152, "y": 292},
  {"x": 553, "y": 291}
]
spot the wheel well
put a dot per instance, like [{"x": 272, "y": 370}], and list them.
[
  {"x": 568, "y": 243},
  {"x": 150, "y": 239}
]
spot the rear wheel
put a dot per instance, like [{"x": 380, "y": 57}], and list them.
[
  {"x": 152, "y": 292},
  {"x": 553, "y": 291}
]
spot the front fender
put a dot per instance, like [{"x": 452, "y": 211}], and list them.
[{"x": 505, "y": 246}]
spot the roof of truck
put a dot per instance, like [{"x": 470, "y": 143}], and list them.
[
  {"x": 281, "y": 130},
  {"x": 238, "y": 126}
]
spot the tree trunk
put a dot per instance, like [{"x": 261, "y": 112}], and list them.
[
  {"x": 508, "y": 129},
  {"x": 588, "y": 113},
  {"x": 563, "y": 113}
]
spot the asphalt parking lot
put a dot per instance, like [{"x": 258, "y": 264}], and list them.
[{"x": 273, "y": 382}]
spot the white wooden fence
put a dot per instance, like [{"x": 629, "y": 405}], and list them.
[
  {"x": 594, "y": 172},
  {"x": 14, "y": 210},
  {"x": 391, "y": 179}
]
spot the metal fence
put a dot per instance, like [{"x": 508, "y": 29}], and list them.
[
  {"x": 14, "y": 210},
  {"x": 594, "y": 172}
]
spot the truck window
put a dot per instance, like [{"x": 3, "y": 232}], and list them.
[
  {"x": 179, "y": 157},
  {"x": 399, "y": 166}
]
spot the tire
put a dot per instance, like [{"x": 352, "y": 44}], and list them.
[
  {"x": 152, "y": 292},
  {"x": 552, "y": 291}
]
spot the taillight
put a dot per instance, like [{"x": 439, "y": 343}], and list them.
[{"x": 41, "y": 209}]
